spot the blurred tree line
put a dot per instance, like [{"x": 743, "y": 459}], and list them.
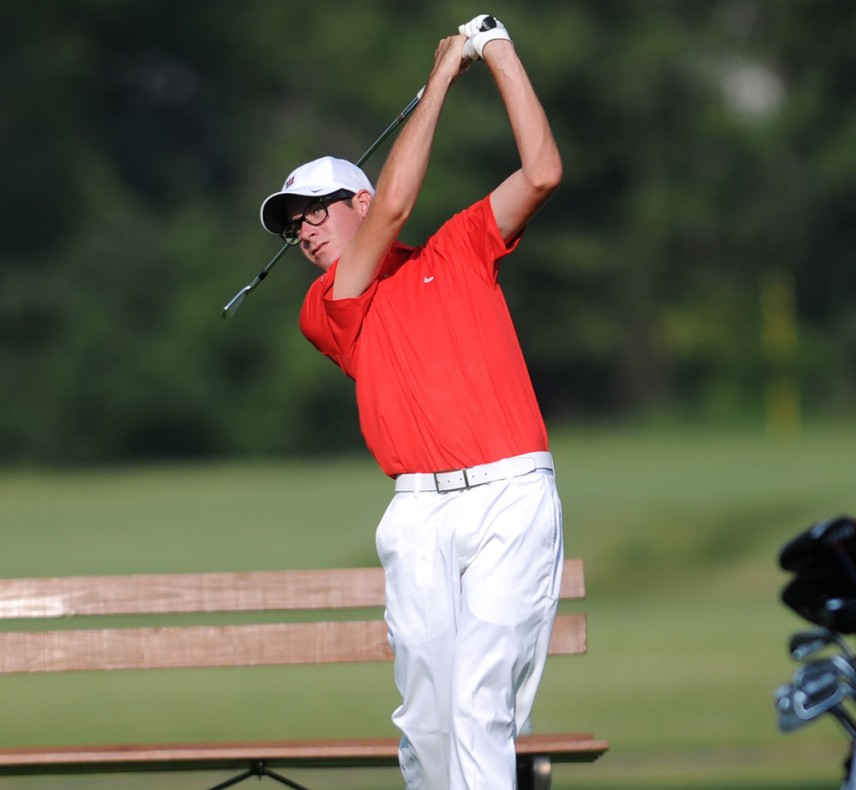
[{"x": 709, "y": 147}]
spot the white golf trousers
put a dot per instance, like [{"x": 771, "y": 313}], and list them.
[{"x": 472, "y": 582}]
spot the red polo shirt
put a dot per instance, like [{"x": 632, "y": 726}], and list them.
[{"x": 441, "y": 380}]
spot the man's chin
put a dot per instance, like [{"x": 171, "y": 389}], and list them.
[{"x": 323, "y": 262}]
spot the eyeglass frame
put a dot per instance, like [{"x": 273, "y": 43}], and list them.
[{"x": 323, "y": 203}]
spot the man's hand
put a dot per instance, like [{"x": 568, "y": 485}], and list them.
[
  {"x": 449, "y": 58},
  {"x": 479, "y": 31}
]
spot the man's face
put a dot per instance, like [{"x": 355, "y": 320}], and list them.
[{"x": 325, "y": 227}]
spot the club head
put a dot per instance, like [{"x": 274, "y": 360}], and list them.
[
  {"x": 804, "y": 644},
  {"x": 786, "y": 708},
  {"x": 819, "y": 674},
  {"x": 823, "y": 699},
  {"x": 234, "y": 303},
  {"x": 816, "y": 689},
  {"x": 819, "y": 687}
]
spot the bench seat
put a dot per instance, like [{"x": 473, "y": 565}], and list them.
[{"x": 340, "y": 753}]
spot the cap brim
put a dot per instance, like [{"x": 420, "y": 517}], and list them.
[
  {"x": 273, "y": 213},
  {"x": 275, "y": 208}
]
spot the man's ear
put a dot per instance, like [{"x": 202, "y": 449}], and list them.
[{"x": 363, "y": 200}]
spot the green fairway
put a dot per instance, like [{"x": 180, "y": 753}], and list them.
[{"x": 687, "y": 640}]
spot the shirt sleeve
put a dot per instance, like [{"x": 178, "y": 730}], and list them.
[
  {"x": 473, "y": 235},
  {"x": 333, "y": 325}
]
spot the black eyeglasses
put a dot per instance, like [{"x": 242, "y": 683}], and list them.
[{"x": 315, "y": 214}]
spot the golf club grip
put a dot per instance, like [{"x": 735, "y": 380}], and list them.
[{"x": 232, "y": 306}]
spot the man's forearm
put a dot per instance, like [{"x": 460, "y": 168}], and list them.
[
  {"x": 402, "y": 176},
  {"x": 539, "y": 155},
  {"x": 400, "y": 179}
]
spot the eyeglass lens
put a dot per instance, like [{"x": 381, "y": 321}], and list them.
[{"x": 314, "y": 214}]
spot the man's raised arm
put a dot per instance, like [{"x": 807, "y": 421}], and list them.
[
  {"x": 516, "y": 199},
  {"x": 400, "y": 179}
]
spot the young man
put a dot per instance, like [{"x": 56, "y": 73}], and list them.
[{"x": 471, "y": 543}]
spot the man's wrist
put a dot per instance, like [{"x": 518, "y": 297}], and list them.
[{"x": 498, "y": 48}]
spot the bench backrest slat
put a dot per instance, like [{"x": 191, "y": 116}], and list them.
[
  {"x": 246, "y": 644},
  {"x": 222, "y": 646},
  {"x": 210, "y": 592},
  {"x": 191, "y": 593}
]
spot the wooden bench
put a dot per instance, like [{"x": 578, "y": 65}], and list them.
[{"x": 279, "y": 643}]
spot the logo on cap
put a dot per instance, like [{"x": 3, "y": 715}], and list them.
[{"x": 289, "y": 182}]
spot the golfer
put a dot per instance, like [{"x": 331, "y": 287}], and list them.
[{"x": 471, "y": 543}]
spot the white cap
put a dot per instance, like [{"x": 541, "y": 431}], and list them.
[{"x": 317, "y": 178}]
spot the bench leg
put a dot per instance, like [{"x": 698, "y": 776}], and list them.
[
  {"x": 258, "y": 769},
  {"x": 534, "y": 773}
]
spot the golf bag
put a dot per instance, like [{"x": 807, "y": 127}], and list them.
[{"x": 822, "y": 590}]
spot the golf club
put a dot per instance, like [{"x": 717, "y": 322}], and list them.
[
  {"x": 804, "y": 644},
  {"x": 235, "y": 302},
  {"x": 815, "y": 690},
  {"x": 796, "y": 711},
  {"x": 824, "y": 673}
]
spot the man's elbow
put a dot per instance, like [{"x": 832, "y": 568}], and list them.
[
  {"x": 546, "y": 179},
  {"x": 393, "y": 210}
]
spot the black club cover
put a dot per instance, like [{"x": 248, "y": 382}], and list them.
[{"x": 829, "y": 544}]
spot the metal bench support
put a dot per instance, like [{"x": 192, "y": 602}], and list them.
[
  {"x": 535, "y": 773},
  {"x": 259, "y": 769}
]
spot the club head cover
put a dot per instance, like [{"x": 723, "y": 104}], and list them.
[
  {"x": 825, "y": 597},
  {"x": 827, "y": 544}
]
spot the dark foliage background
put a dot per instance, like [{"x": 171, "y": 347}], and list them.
[{"x": 697, "y": 257}]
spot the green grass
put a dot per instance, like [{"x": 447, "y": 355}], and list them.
[{"x": 679, "y": 531}]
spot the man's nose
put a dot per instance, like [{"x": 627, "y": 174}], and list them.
[{"x": 307, "y": 231}]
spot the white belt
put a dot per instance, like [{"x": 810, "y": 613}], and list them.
[{"x": 460, "y": 479}]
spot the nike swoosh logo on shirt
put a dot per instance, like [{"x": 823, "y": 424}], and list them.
[{"x": 428, "y": 280}]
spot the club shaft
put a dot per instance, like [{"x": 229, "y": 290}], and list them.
[
  {"x": 232, "y": 306},
  {"x": 399, "y": 119}
]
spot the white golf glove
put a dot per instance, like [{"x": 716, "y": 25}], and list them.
[{"x": 479, "y": 30}]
